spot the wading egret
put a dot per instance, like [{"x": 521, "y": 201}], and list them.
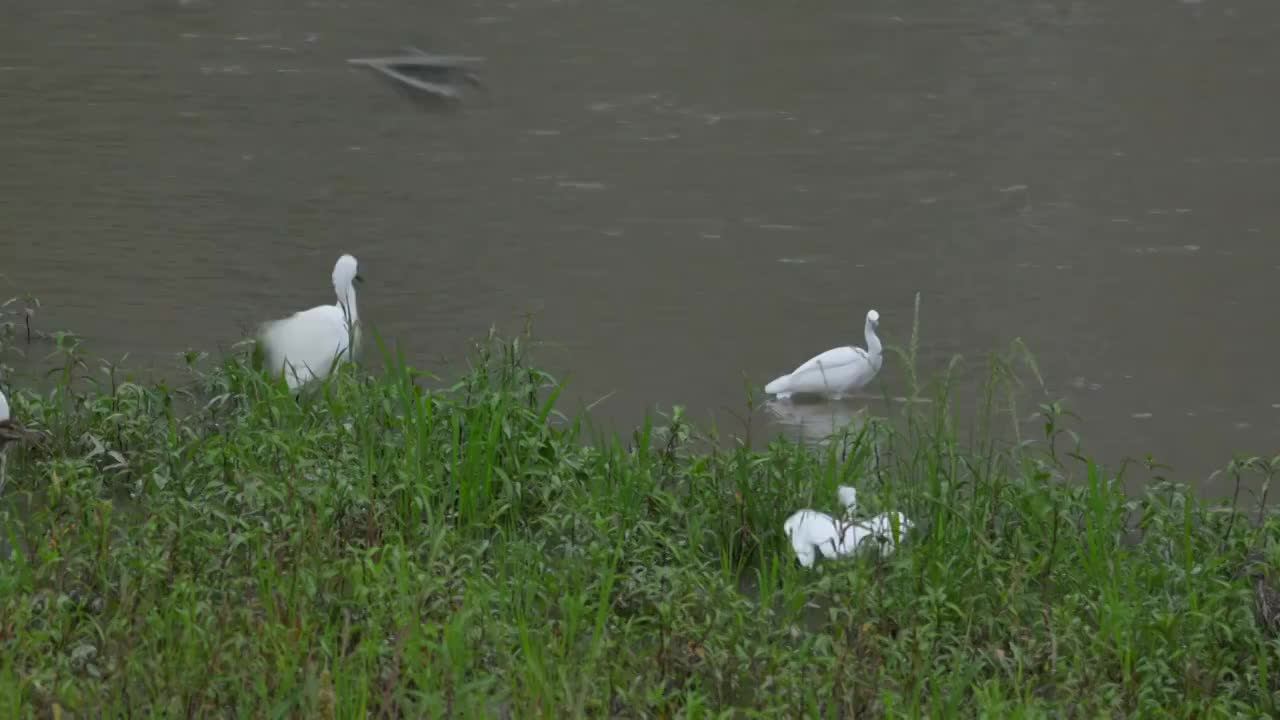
[
  {"x": 836, "y": 372},
  {"x": 307, "y": 345}
]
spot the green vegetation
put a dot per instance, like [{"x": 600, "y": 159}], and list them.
[{"x": 374, "y": 548}]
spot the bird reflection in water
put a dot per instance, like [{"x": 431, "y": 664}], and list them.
[{"x": 817, "y": 421}]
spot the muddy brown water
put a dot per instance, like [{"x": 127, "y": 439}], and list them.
[{"x": 680, "y": 193}]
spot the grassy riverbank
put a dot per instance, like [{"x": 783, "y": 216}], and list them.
[{"x": 221, "y": 549}]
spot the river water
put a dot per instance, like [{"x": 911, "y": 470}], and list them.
[{"x": 682, "y": 194}]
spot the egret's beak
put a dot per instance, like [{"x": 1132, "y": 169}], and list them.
[{"x": 359, "y": 278}]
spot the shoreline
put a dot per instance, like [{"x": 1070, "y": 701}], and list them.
[{"x": 372, "y": 546}]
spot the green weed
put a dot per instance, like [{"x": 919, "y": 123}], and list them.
[{"x": 376, "y": 547}]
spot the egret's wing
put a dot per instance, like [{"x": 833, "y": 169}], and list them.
[
  {"x": 835, "y": 357},
  {"x": 844, "y": 361},
  {"x": 307, "y": 341}
]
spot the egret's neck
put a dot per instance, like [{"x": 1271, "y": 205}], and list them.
[
  {"x": 347, "y": 301},
  {"x": 873, "y": 342}
]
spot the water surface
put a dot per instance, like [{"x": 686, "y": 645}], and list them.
[{"x": 683, "y": 195}]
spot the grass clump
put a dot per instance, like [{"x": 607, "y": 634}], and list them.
[{"x": 371, "y": 548}]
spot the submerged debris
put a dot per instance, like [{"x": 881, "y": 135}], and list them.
[{"x": 437, "y": 75}]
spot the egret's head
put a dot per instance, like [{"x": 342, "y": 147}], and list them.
[
  {"x": 848, "y": 497},
  {"x": 873, "y": 319},
  {"x": 346, "y": 272}
]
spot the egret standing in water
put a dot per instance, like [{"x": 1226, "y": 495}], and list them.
[
  {"x": 836, "y": 372},
  {"x": 307, "y": 345}
]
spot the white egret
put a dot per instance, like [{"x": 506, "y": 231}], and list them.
[
  {"x": 10, "y": 432},
  {"x": 813, "y": 533},
  {"x": 307, "y": 345},
  {"x": 836, "y": 372}
]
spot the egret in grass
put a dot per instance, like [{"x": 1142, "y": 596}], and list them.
[
  {"x": 10, "y": 432},
  {"x": 814, "y": 533},
  {"x": 836, "y": 372},
  {"x": 307, "y": 345}
]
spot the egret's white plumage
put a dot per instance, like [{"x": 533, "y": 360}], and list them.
[
  {"x": 836, "y": 372},
  {"x": 307, "y": 345}
]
